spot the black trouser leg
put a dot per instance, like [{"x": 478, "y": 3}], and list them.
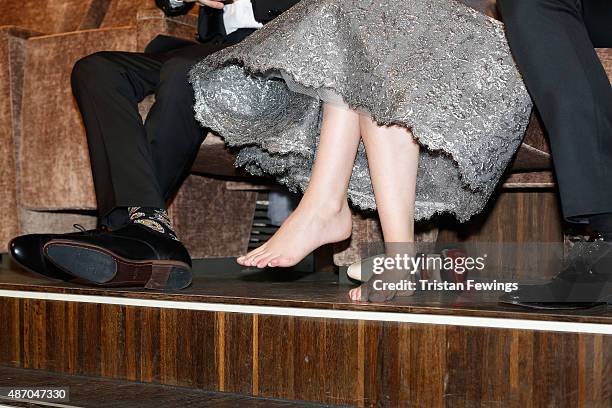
[
  {"x": 136, "y": 164},
  {"x": 174, "y": 133},
  {"x": 552, "y": 47},
  {"x": 108, "y": 87}
]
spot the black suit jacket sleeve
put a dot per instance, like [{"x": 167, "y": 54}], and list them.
[
  {"x": 267, "y": 10},
  {"x": 210, "y": 24},
  {"x": 173, "y": 11}
]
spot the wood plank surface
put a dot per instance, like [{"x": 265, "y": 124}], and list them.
[
  {"x": 221, "y": 281},
  {"x": 330, "y": 361}
]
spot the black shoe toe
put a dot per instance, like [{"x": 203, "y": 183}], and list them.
[
  {"x": 543, "y": 297},
  {"x": 26, "y": 251}
]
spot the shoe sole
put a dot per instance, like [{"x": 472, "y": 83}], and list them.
[{"x": 105, "y": 268}]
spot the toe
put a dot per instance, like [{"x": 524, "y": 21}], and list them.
[
  {"x": 248, "y": 261},
  {"x": 274, "y": 262},
  {"x": 244, "y": 260},
  {"x": 251, "y": 256},
  {"x": 266, "y": 261},
  {"x": 262, "y": 262},
  {"x": 257, "y": 260}
]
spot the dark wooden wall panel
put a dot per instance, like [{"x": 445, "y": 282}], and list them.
[
  {"x": 359, "y": 363},
  {"x": 426, "y": 366},
  {"x": 113, "y": 341},
  {"x": 238, "y": 356},
  {"x": 514, "y": 216},
  {"x": 341, "y": 355},
  {"x": 10, "y": 332},
  {"x": 274, "y": 371},
  {"x": 309, "y": 378}
]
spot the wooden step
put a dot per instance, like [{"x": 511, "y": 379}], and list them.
[{"x": 298, "y": 337}]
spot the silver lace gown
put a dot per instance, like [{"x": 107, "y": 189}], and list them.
[{"x": 437, "y": 67}]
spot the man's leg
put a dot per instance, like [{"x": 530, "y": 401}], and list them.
[
  {"x": 572, "y": 92},
  {"x": 145, "y": 252},
  {"x": 174, "y": 134},
  {"x": 135, "y": 165},
  {"x": 555, "y": 53},
  {"x": 108, "y": 87}
]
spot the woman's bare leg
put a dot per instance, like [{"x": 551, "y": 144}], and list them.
[
  {"x": 323, "y": 215},
  {"x": 393, "y": 157}
]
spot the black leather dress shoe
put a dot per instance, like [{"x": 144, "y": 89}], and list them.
[
  {"x": 585, "y": 282},
  {"x": 27, "y": 252},
  {"x": 130, "y": 256}
]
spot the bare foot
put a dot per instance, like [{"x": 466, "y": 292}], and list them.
[{"x": 306, "y": 229}]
